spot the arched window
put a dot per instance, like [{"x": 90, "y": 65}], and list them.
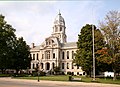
[
  {"x": 41, "y": 65},
  {"x": 62, "y": 65},
  {"x": 37, "y": 57},
  {"x": 47, "y": 66},
  {"x": 63, "y": 54},
  {"x": 33, "y": 65},
  {"x": 42, "y": 56},
  {"x": 48, "y": 54},
  {"x": 60, "y": 28},
  {"x": 72, "y": 54},
  {"x": 67, "y": 54},
  {"x": 56, "y": 29},
  {"x": 67, "y": 65},
  {"x": 53, "y": 55},
  {"x": 33, "y": 56},
  {"x": 52, "y": 41}
]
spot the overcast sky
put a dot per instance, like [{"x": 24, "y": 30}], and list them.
[{"x": 33, "y": 20}]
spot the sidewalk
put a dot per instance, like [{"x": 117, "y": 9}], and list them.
[{"x": 60, "y": 83}]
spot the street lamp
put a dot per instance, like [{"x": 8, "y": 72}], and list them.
[{"x": 39, "y": 70}]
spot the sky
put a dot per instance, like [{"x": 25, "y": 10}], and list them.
[{"x": 33, "y": 20}]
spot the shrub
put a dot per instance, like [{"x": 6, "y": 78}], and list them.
[{"x": 69, "y": 73}]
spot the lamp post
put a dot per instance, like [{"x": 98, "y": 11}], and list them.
[
  {"x": 39, "y": 70},
  {"x": 38, "y": 77}
]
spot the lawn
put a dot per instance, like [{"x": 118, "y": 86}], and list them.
[
  {"x": 4, "y": 75},
  {"x": 66, "y": 78},
  {"x": 51, "y": 78}
]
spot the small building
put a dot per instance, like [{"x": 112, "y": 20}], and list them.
[{"x": 55, "y": 51}]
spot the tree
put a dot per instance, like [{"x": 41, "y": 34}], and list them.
[
  {"x": 56, "y": 70},
  {"x": 7, "y": 39},
  {"x": 14, "y": 53},
  {"x": 83, "y": 56},
  {"x": 111, "y": 30},
  {"x": 22, "y": 55}
]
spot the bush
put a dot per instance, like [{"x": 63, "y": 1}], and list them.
[
  {"x": 42, "y": 73},
  {"x": 62, "y": 73},
  {"x": 20, "y": 75},
  {"x": 69, "y": 73},
  {"x": 34, "y": 73}
]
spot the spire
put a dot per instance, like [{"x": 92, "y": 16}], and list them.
[{"x": 59, "y": 12}]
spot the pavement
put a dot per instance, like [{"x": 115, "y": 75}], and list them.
[{"x": 5, "y": 82}]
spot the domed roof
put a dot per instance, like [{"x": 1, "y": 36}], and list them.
[{"x": 59, "y": 20}]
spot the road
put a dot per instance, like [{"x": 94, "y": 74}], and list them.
[{"x": 8, "y": 82}]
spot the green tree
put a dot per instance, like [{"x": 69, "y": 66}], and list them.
[
  {"x": 111, "y": 30},
  {"x": 21, "y": 55},
  {"x": 83, "y": 56},
  {"x": 14, "y": 53},
  {"x": 7, "y": 39},
  {"x": 56, "y": 70}
]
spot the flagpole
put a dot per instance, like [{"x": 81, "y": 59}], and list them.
[
  {"x": 93, "y": 47},
  {"x": 93, "y": 53}
]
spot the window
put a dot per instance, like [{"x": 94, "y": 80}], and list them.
[
  {"x": 53, "y": 55},
  {"x": 67, "y": 65},
  {"x": 47, "y": 66},
  {"x": 46, "y": 43},
  {"x": 77, "y": 67},
  {"x": 52, "y": 41},
  {"x": 60, "y": 28},
  {"x": 67, "y": 54},
  {"x": 49, "y": 42},
  {"x": 56, "y": 29},
  {"x": 63, "y": 54},
  {"x": 62, "y": 65},
  {"x": 72, "y": 54},
  {"x": 42, "y": 56},
  {"x": 33, "y": 66},
  {"x": 37, "y": 57},
  {"x": 48, "y": 54},
  {"x": 72, "y": 66},
  {"x": 41, "y": 65},
  {"x": 33, "y": 56},
  {"x": 37, "y": 66}
]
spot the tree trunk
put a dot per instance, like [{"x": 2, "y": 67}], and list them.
[
  {"x": 2, "y": 71},
  {"x": 114, "y": 78},
  {"x": 17, "y": 71}
]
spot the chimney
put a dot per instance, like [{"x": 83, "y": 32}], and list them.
[{"x": 33, "y": 45}]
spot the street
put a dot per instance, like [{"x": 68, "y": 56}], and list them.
[{"x": 8, "y": 82}]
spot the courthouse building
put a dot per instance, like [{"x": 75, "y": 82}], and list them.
[{"x": 55, "y": 51}]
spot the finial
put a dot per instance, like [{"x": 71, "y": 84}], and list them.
[{"x": 59, "y": 12}]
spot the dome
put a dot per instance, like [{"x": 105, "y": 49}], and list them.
[{"x": 59, "y": 20}]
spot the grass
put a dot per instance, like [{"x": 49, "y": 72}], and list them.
[
  {"x": 4, "y": 75},
  {"x": 66, "y": 78},
  {"x": 51, "y": 78}
]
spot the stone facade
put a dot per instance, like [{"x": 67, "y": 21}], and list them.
[{"x": 55, "y": 51}]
